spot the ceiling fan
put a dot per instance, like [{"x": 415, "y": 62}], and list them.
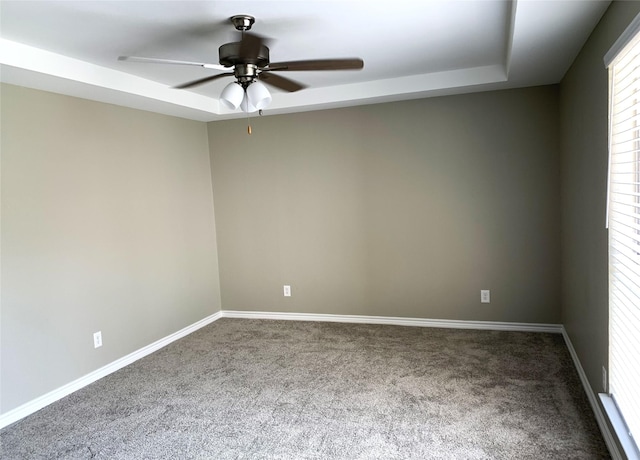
[{"x": 248, "y": 62}]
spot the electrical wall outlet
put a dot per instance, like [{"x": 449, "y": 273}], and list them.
[
  {"x": 604, "y": 379},
  {"x": 485, "y": 296},
  {"x": 97, "y": 339},
  {"x": 287, "y": 290}
]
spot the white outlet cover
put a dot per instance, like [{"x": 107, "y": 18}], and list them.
[
  {"x": 287, "y": 290},
  {"x": 97, "y": 339},
  {"x": 485, "y": 296}
]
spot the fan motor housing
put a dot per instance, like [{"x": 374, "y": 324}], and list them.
[{"x": 229, "y": 54}]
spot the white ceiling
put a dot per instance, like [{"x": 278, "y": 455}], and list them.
[{"x": 411, "y": 49}]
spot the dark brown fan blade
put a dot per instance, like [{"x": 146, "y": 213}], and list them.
[
  {"x": 171, "y": 61},
  {"x": 281, "y": 82},
  {"x": 203, "y": 80},
  {"x": 319, "y": 64},
  {"x": 250, "y": 46}
]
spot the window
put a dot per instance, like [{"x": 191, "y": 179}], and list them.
[{"x": 623, "y": 218}]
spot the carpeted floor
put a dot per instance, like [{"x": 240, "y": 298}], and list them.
[{"x": 260, "y": 389}]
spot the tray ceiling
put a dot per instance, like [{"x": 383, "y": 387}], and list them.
[{"x": 411, "y": 49}]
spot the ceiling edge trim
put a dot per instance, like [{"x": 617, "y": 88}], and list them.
[{"x": 26, "y": 57}]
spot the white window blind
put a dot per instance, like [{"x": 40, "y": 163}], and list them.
[{"x": 624, "y": 236}]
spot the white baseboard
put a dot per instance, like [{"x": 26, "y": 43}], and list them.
[
  {"x": 600, "y": 417},
  {"x": 397, "y": 321},
  {"x": 34, "y": 405}
]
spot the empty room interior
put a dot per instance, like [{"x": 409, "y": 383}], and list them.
[{"x": 403, "y": 257}]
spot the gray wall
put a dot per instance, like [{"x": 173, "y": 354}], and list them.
[
  {"x": 107, "y": 224},
  {"x": 584, "y": 95},
  {"x": 400, "y": 209}
]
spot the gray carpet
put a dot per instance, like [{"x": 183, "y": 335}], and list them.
[{"x": 240, "y": 389}]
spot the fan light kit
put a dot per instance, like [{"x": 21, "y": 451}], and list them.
[{"x": 249, "y": 59}]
